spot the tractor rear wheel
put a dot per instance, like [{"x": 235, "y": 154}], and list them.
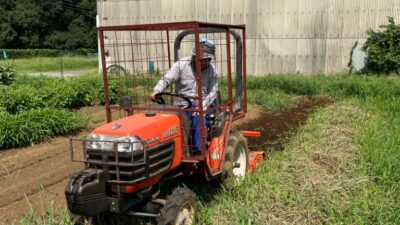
[
  {"x": 179, "y": 209},
  {"x": 236, "y": 162}
]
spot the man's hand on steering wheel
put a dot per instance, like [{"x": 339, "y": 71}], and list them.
[{"x": 157, "y": 97}]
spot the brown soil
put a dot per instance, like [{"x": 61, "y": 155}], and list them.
[
  {"x": 275, "y": 127},
  {"x": 37, "y": 175}
]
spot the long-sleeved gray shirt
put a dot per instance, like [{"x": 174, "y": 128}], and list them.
[{"x": 183, "y": 73}]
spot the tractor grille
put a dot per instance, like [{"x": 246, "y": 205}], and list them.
[{"x": 133, "y": 167}]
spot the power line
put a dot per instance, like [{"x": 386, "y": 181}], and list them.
[
  {"x": 70, "y": 5},
  {"x": 75, "y": 5}
]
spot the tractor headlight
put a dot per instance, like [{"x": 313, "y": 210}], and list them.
[{"x": 105, "y": 142}]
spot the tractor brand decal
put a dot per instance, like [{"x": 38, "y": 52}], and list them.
[
  {"x": 153, "y": 139},
  {"x": 171, "y": 131},
  {"x": 115, "y": 126}
]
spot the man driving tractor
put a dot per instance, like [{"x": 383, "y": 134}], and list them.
[{"x": 183, "y": 74}]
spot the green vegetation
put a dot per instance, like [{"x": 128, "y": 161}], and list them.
[
  {"x": 341, "y": 167},
  {"x": 38, "y": 92},
  {"x": 34, "y": 108},
  {"x": 54, "y": 64},
  {"x": 32, "y": 126},
  {"x": 382, "y": 47},
  {"x": 52, "y": 218},
  {"x": 271, "y": 100},
  {"x": 319, "y": 178},
  {"x": 7, "y": 74},
  {"x": 55, "y": 24},
  {"x": 51, "y": 53}
]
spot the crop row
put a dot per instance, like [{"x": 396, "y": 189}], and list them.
[
  {"x": 30, "y": 127},
  {"x": 39, "y": 92},
  {"x": 37, "y": 108}
]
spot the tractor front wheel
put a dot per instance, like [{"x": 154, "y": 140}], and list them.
[
  {"x": 236, "y": 162},
  {"x": 179, "y": 208}
]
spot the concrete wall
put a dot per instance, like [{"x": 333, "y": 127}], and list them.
[{"x": 283, "y": 36}]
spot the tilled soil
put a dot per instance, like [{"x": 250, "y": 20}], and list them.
[
  {"x": 36, "y": 176},
  {"x": 276, "y": 127}
]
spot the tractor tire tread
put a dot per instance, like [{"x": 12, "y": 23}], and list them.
[
  {"x": 173, "y": 203},
  {"x": 235, "y": 138}
]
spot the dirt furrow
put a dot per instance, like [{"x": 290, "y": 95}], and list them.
[
  {"x": 6, "y": 199},
  {"x": 9, "y": 170},
  {"x": 15, "y": 159},
  {"x": 34, "y": 175}
]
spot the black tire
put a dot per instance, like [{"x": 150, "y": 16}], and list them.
[
  {"x": 236, "y": 151},
  {"x": 180, "y": 208},
  {"x": 104, "y": 219}
]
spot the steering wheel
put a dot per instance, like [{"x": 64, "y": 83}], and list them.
[{"x": 160, "y": 100}]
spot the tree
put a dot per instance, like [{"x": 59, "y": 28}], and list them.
[
  {"x": 7, "y": 33},
  {"x": 28, "y": 24},
  {"x": 60, "y": 24}
]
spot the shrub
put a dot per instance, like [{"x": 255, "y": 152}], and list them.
[
  {"x": 66, "y": 94},
  {"x": 383, "y": 49},
  {"x": 19, "y": 99},
  {"x": 34, "y": 81},
  {"x": 7, "y": 74},
  {"x": 32, "y": 126},
  {"x": 113, "y": 93},
  {"x": 30, "y": 53}
]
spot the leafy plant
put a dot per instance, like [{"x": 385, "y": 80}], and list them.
[
  {"x": 7, "y": 74},
  {"x": 383, "y": 49},
  {"x": 37, "y": 92},
  {"x": 19, "y": 99},
  {"x": 30, "y": 127}
]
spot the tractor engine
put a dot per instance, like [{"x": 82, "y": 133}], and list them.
[{"x": 124, "y": 157}]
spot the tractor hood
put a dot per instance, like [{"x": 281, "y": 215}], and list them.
[{"x": 150, "y": 128}]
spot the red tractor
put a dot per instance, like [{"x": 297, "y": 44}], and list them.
[{"x": 131, "y": 160}]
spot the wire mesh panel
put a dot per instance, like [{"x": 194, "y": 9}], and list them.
[{"x": 192, "y": 69}]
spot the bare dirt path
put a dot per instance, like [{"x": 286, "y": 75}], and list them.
[
  {"x": 66, "y": 73},
  {"x": 37, "y": 175}
]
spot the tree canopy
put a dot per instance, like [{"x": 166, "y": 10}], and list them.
[{"x": 57, "y": 24}]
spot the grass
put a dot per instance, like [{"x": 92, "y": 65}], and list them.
[
  {"x": 341, "y": 167},
  {"x": 45, "y": 64},
  {"x": 316, "y": 179},
  {"x": 271, "y": 100}
]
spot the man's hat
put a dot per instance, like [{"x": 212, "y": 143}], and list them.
[{"x": 207, "y": 47}]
